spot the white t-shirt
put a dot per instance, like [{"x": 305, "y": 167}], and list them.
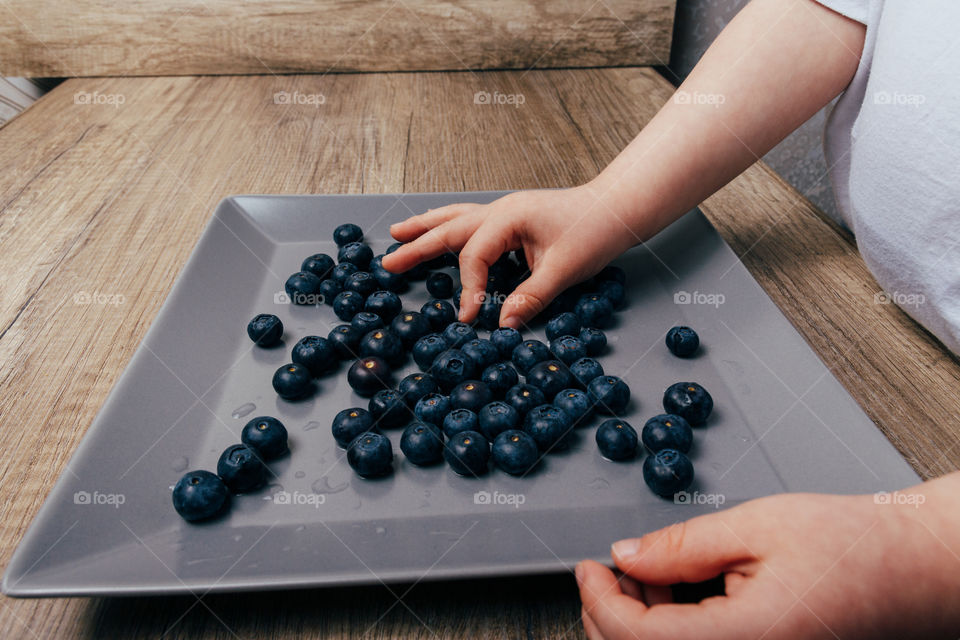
[{"x": 892, "y": 145}]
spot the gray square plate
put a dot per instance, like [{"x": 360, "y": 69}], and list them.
[{"x": 782, "y": 423}]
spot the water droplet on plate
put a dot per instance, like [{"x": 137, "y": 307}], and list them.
[
  {"x": 381, "y": 531},
  {"x": 322, "y": 485},
  {"x": 300, "y": 527},
  {"x": 237, "y": 538},
  {"x": 599, "y": 483},
  {"x": 310, "y": 426},
  {"x": 299, "y": 474},
  {"x": 180, "y": 464},
  {"x": 243, "y": 410}
]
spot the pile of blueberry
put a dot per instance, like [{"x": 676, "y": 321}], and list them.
[{"x": 500, "y": 399}]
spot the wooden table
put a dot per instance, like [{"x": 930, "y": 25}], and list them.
[{"x": 106, "y": 184}]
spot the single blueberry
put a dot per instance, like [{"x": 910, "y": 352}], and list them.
[
  {"x": 365, "y": 322},
  {"x": 356, "y": 253},
  {"x": 387, "y": 280},
  {"x": 524, "y": 397},
  {"x": 459, "y": 420},
  {"x": 482, "y": 351},
  {"x": 456, "y": 296},
  {"x": 385, "y": 304},
  {"x": 488, "y": 317},
  {"x": 384, "y": 344},
  {"x": 267, "y": 435},
  {"x": 667, "y": 472},
  {"x": 667, "y": 431},
  {"x": 319, "y": 264},
  {"x": 564, "y": 324},
  {"x": 616, "y": 439},
  {"x": 347, "y": 304},
  {"x": 389, "y": 409},
  {"x": 241, "y": 468},
  {"x": 528, "y": 353},
  {"x": 467, "y": 453},
  {"x": 366, "y": 376},
  {"x": 594, "y": 340},
  {"x": 362, "y": 282},
  {"x": 496, "y": 417},
  {"x": 550, "y": 376},
  {"x": 292, "y": 381},
  {"x": 345, "y": 339},
  {"x": 315, "y": 353},
  {"x": 343, "y": 271},
  {"x": 350, "y": 423},
  {"x": 470, "y": 394},
  {"x": 416, "y": 386},
  {"x": 549, "y": 427},
  {"x": 499, "y": 377},
  {"x": 422, "y": 444},
  {"x": 347, "y": 233},
  {"x": 370, "y": 455},
  {"x": 688, "y": 400},
  {"x": 452, "y": 367},
  {"x": 576, "y": 404},
  {"x": 199, "y": 495},
  {"x": 410, "y": 326},
  {"x": 683, "y": 342},
  {"x": 584, "y": 370},
  {"x": 515, "y": 452},
  {"x": 568, "y": 349},
  {"x": 440, "y": 285},
  {"x": 506, "y": 339},
  {"x": 432, "y": 409},
  {"x": 303, "y": 288},
  {"x": 265, "y": 330},
  {"x": 565, "y": 301},
  {"x": 594, "y": 310},
  {"x": 439, "y": 313},
  {"x": 457, "y": 334},
  {"x": 329, "y": 289},
  {"x": 427, "y": 348},
  {"x": 610, "y": 394},
  {"x": 614, "y": 292}
]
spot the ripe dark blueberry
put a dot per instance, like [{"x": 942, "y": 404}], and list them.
[
  {"x": 667, "y": 431},
  {"x": 347, "y": 233},
  {"x": 482, "y": 351},
  {"x": 241, "y": 468},
  {"x": 506, "y": 339},
  {"x": 265, "y": 330},
  {"x": 457, "y": 334},
  {"x": 467, "y": 453},
  {"x": 362, "y": 282},
  {"x": 528, "y": 353},
  {"x": 683, "y": 342},
  {"x": 410, "y": 326},
  {"x": 496, "y": 417},
  {"x": 549, "y": 427},
  {"x": 584, "y": 370},
  {"x": 576, "y": 404},
  {"x": 515, "y": 452},
  {"x": 616, "y": 440},
  {"x": 524, "y": 397},
  {"x": 564, "y": 324},
  {"x": 416, "y": 386},
  {"x": 385, "y": 304},
  {"x": 199, "y": 495},
  {"x": 365, "y": 322},
  {"x": 356, "y": 253},
  {"x": 303, "y": 288},
  {"x": 499, "y": 377},
  {"x": 688, "y": 400},
  {"x": 347, "y": 304},
  {"x": 568, "y": 349},
  {"x": 614, "y": 292},
  {"x": 611, "y": 272},
  {"x": 389, "y": 409},
  {"x": 456, "y": 296},
  {"x": 350, "y": 423},
  {"x": 452, "y": 367},
  {"x": 345, "y": 339},
  {"x": 387, "y": 280},
  {"x": 440, "y": 313},
  {"x": 594, "y": 340},
  {"x": 550, "y": 376},
  {"x": 319, "y": 264},
  {"x": 383, "y": 343},
  {"x": 667, "y": 472},
  {"x": 470, "y": 394},
  {"x": 315, "y": 353},
  {"x": 343, "y": 271},
  {"x": 432, "y": 409},
  {"x": 267, "y": 435},
  {"x": 292, "y": 381},
  {"x": 565, "y": 301},
  {"x": 610, "y": 395},
  {"x": 366, "y": 376},
  {"x": 370, "y": 455},
  {"x": 329, "y": 289},
  {"x": 459, "y": 420},
  {"x": 489, "y": 315},
  {"x": 440, "y": 285},
  {"x": 422, "y": 444},
  {"x": 426, "y": 349},
  {"x": 594, "y": 310}
]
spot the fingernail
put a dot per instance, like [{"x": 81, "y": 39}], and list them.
[
  {"x": 511, "y": 321},
  {"x": 578, "y": 572},
  {"x": 624, "y": 548}
]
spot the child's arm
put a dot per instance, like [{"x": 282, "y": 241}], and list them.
[{"x": 773, "y": 67}]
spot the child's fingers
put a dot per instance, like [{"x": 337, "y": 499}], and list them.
[
  {"x": 533, "y": 294},
  {"x": 449, "y": 236},
  {"x": 415, "y": 226},
  {"x": 593, "y": 633},
  {"x": 485, "y": 246},
  {"x": 611, "y": 611}
]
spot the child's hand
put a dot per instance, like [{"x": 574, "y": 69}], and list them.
[
  {"x": 795, "y": 566},
  {"x": 567, "y": 236}
]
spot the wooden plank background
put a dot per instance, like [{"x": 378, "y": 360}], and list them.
[{"x": 52, "y": 38}]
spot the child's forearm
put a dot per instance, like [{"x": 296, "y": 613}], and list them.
[{"x": 775, "y": 65}]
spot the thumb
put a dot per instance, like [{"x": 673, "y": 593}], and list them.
[{"x": 534, "y": 294}]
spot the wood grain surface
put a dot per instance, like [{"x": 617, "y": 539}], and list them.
[
  {"x": 107, "y": 196},
  {"x": 176, "y": 37}
]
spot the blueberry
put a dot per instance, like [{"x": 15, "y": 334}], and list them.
[
  {"x": 370, "y": 455},
  {"x": 347, "y": 233},
  {"x": 682, "y": 341},
  {"x": 488, "y": 317},
  {"x": 410, "y": 326},
  {"x": 467, "y": 453},
  {"x": 416, "y": 386},
  {"x": 345, "y": 339},
  {"x": 452, "y": 367},
  {"x": 387, "y": 280},
  {"x": 594, "y": 340},
  {"x": 362, "y": 282},
  {"x": 389, "y": 409},
  {"x": 265, "y": 330},
  {"x": 564, "y": 324},
  {"x": 616, "y": 440},
  {"x": 613, "y": 273},
  {"x": 614, "y": 292},
  {"x": 329, "y": 289},
  {"x": 315, "y": 353},
  {"x": 385, "y": 304},
  {"x": 667, "y": 472},
  {"x": 610, "y": 394},
  {"x": 667, "y": 431},
  {"x": 549, "y": 427},
  {"x": 292, "y": 381},
  {"x": 365, "y": 322},
  {"x": 199, "y": 495},
  {"x": 457, "y": 334},
  {"x": 515, "y": 452},
  {"x": 594, "y": 310},
  {"x": 368, "y": 375},
  {"x": 524, "y": 397},
  {"x": 422, "y": 444},
  {"x": 356, "y": 253},
  {"x": 576, "y": 404},
  {"x": 584, "y": 370},
  {"x": 568, "y": 349},
  {"x": 385, "y": 344},
  {"x": 470, "y": 394},
  {"x": 303, "y": 287},
  {"x": 688, "y": 400},
  {"x": 460, "y": 420},
  {"x": 499, "y": 377},
  {"x": 319, "y": 264},
  {"x": 267, "y": 435},
  {"x": 347, "y": 304},
  {"x": 241, "y": 468},
  {"x": 439, "y": 313},
  {"x": 343, "y": 271},
  {"x": 427, "y": 348},
  {"x": 528, "y": 353},
  {"x": 496, "y": 417},
  {"x": 565, "y": 301},
  {"x": 482, "y": 351},
  {"x": 350, "y": 423},
  {"x": 440, "y": 285},
  {"x": 550, "y": 376},
  {"x": 432, "y": 409},
  {"x": 456, "y": 296},
  {"x": 506, "y": 339}
]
